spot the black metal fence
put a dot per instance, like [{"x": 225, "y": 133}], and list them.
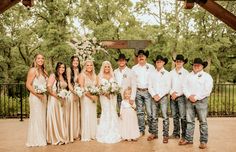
[{"x": 14, "y": 101}]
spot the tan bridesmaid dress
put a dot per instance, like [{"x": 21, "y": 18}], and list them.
[
  {"x": 73, "y": 115},
  {"x": 56, "y": 119},
  {"x": 37, "y": 120},
  {"x": 88, "y": 114}
]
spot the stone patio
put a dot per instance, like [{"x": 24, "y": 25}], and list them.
[{"x": 222, "y": 137}]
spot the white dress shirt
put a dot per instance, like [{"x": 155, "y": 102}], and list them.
[
  {"x": 159, "y": 83},
  {"x": 125, "y": 79},
  {"x": 177, "y": 80},
  {"x": 141, "y": 74},
  {"x": 199, "y": 84}
]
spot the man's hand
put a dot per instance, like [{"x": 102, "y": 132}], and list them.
[
  {"x": 192, "y": 99},
  {"x": 156, "y": 98},
  {"x": 174, "y": 95}
]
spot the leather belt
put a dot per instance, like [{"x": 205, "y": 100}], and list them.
[{"x": 142, "y": 89}]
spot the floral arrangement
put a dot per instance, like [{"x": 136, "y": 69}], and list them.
[
  {"x": 86, "y": 48},
  {"x": 93, "y": 90},
  {"x": 114, "y": 88},
  {"x": 105, "y": 87},
  {"x": 40, "y": 89},
  {"x": 110, "y": 87},
  {"x": 79, "y": 91},
  {"x": 62, "y": 94}
]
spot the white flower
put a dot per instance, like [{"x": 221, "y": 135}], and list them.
[
  {"x": 79, "y": 91},
  {"x": 115, "y": 88},
  {"x": 63, "y": 93},
  {"x": 92, "y": 90},
  {"x": 40, "y": 88},
  {"x": 94, "y": 40}
]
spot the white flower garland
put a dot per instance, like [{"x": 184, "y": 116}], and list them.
[{"x": 86, "y": 48}]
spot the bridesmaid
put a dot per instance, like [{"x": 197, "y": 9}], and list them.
[
  {"x": 73, "y": 107},
  {"x": 88, "y": 106},
  {"x": 56, "y": 127},
  {"x": 37, "y": 122}
]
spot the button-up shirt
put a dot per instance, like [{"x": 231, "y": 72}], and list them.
[
  {"x": 159, "y": 83},
  {"x": 199, "y": 84},
  {"x": 141, "y": 74},
  {"x": 177, "y": 80},
  {"x": 125, "y": 79}
]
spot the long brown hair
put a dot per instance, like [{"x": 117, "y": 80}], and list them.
[{"x": 34, "y": 65}]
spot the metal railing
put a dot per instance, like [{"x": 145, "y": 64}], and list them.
[{"x": 14, "y": 101}]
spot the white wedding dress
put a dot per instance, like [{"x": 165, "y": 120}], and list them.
[{"x": 108, "y": 128}]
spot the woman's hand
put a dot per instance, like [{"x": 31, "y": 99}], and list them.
[{"x": 40, "y": 96}]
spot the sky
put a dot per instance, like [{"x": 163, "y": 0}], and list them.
[{"x": 145, "y": 18}]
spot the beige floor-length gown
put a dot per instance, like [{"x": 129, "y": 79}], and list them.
[
  {"x": 73, "y": 115},
  {"x": 56, "y": 123},
  {"x": 37, "y": 120},
  {"x": 88, "y": 114}
]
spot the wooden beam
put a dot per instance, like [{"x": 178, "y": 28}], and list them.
[
  {"x": 126, "y": 44},
  {"x": 6, "y": 4},
  {"x": 219, "y": 12}
]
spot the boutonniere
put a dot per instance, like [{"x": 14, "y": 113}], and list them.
[
  {"x": 200, "y": 75},
  {"x": 162, "y": 72},
  {"x": 147, "y": 67},
  {"x": 124, "y": 76}
]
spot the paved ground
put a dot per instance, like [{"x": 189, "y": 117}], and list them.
[{"x": 222, "y": 137}]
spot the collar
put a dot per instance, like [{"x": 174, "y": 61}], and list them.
[
  {"x": 161, "y": 71},
  {"x": 180, "y": 71},
  {"x": 123, "y": 70}
]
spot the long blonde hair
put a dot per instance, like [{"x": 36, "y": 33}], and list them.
[
  {"x": 103, "y": 67},
  {"x": 34, "y": 65},
  {"x": 84, "y": 69}
]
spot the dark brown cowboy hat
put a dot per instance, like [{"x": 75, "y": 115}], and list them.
[
  {"x": 142, "y": 52},
  {"x": 122, "y": 56},
  {"x": 181, "y": 58},
  {"x": 199, "y": 61},
  {"x": 159, "y": 57}
]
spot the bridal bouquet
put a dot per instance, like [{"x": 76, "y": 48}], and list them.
[
  {"x": 79, "y": 91},
  {"x": 110, "y": 88},
  {"x": 62, "y": 94},
  {"x": 105, "y": 87},
  {"x": 93, "y": 90},
  {"x": 40, "y": 89},
  {"x": 114, "y": 88}
]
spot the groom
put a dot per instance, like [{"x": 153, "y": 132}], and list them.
[
  {"x": 124, "y": 78},
  {"x": 143, "y": 98}
]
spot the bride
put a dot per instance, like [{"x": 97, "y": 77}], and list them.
[{"x": 108, "y": 127}]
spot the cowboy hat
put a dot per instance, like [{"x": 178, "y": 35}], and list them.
[
  {"x": 159, "y": 57},
  {"x": 122, "y": 56},
  {"x": 181, "y": 58},
  {"x": 199, "y": 61}
]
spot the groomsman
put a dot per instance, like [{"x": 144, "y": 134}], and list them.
[
  {"x": 124, "y": 78},
  {"x": 143, "y": 98},
  {"x": 197, "y": 89},
  {"x": 159, "y": 87},
  {"x": 178, "y": 100}
]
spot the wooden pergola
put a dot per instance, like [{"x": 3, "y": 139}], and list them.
[{"x": 215, "y": 9}]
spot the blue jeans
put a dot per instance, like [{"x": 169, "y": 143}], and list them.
[
  {"x": 163, "y": 104},
  {"x": 201, "y": 110},
  {"x": 178, "y": 110},
  {"x": 143, "y": 102}
]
